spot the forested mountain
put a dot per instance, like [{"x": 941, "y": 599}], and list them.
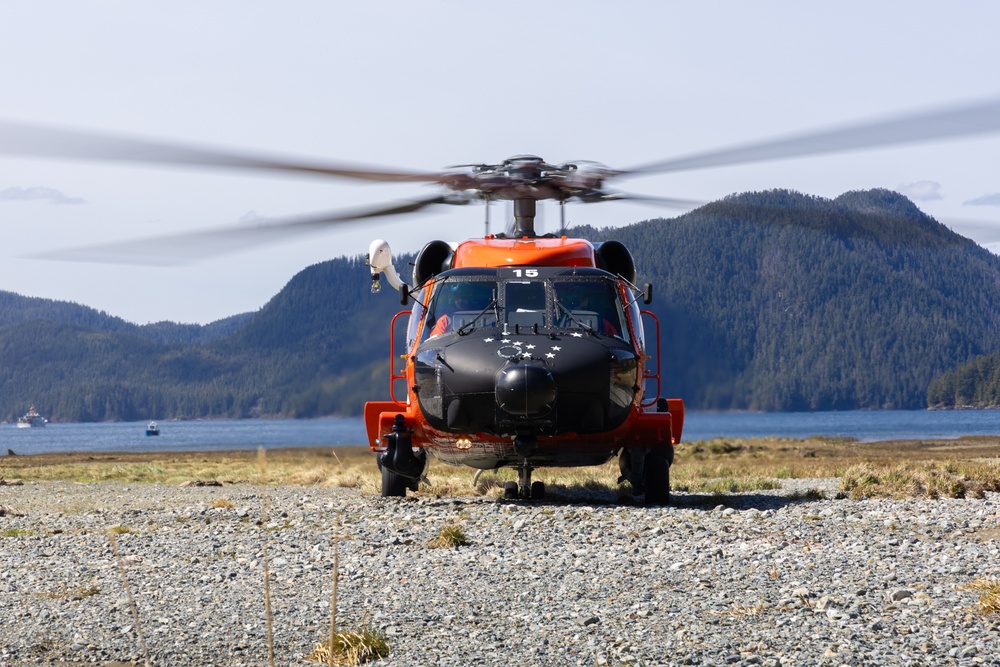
[
  {"x": 17, "y": 309},
  {"x": 972, "y": 385},
  {"x": 782, "y": 301},
  {"x": 319, "y": 347},
  {"x": 768, "y": 301}
]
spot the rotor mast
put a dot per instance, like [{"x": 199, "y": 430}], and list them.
[{"x": 526, "y": 170}]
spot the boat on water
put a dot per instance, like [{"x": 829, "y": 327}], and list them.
[
  {"x": 31, "y": 419},
  {"x": 152, "y": 429}
]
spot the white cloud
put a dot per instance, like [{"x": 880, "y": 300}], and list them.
[
  {"x": 985, "y": 200},
  {"x": 921, "y": 190},
  {"x": 38, "y": 192}
]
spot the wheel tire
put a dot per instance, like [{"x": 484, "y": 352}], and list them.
[
  {"x": 537, "y": 490},
  {"x": 393, "y": 485},
  {"x": 510, "y": 490},
  {"x": 657, "y": 477}
]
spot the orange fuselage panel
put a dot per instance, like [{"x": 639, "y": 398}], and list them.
[{"x": 493, "y": 252}]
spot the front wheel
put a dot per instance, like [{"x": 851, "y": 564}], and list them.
[
  {"x": 657, "y": 476},
  {"x": 393, "y": 485}
]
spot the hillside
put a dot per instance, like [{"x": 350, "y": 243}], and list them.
[
  {"x": 782, "y": 301},
  {"x": 319, "y": 347},
  {"x": 975, "y": 384},
  {"x": 768, "y": 301}
]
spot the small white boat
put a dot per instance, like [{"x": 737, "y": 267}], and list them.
[
  {"x": 152, "y": 429},
  {"x": 31, "y": 419}
]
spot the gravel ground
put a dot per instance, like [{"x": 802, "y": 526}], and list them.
[{"x": 771, "y": 578}]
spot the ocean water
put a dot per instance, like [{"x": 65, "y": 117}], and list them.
[{"x": 253, "y": 433}]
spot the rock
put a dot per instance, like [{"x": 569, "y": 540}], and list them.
[{"x": 898, "y": 594}]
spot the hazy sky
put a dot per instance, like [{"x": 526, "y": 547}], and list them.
[{"x": 424, "y": 85}]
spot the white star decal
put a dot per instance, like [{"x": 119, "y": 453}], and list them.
[
  {"x": 577, "y": 335},
  {"x": 505, "y": 340},
  {"x": 549, "y": 355},
  {"x": 487, "y": 340},
  {"x": 556, "y": 348},
  {"x": 531, "y": 347}
]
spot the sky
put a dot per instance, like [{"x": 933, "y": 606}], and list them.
[{"x": 425, "y": 85}]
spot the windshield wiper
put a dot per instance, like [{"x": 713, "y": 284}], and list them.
[
  {"x": 461, "y": 331},
  {"x": 569, "y": 313}
]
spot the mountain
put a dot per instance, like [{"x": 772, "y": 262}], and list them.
[
  {"x": 17, "y": 309},
  {"x": 319, "y": 347},
  {"x": 767, "y": 301},
  {"x": 782, "y": 301}
]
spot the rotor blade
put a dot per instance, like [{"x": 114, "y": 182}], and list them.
[
  {"x": 949, "y": 122},
  {"x": 184, "y": 248},
  {"x": 38, "y": 141},
  {"x": 667, "y": 202}
]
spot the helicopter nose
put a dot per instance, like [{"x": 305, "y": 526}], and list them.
[{"x": 525, "y": 390}]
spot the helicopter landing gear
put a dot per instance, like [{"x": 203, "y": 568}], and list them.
[
  {"x": 524, "y": 488},
  {"x": 401, "y": 468},
  {"x": 393, "y": 485},
  {"x": 648, "y": 472},
  {"x": 657, "y": 476}
]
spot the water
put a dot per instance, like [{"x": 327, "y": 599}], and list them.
[
  {"x": 182, "y": 435},
  {"x": 272, "y": 434}
]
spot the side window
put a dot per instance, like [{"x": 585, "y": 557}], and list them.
[
  {"x": 416, "y": 316},
  {"x": 633, "y": 314},
  {"x": 524, "y": 303}
]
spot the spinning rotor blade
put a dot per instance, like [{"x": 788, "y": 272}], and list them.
[
  {"x": 955, "y": 121},
  {"x": 667, "y": 202},
  {"x": 37, "y": 141},
  {"x": 183, "y": 248}
]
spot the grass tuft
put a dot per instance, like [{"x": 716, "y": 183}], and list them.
[
  {"x": 15, "y": 532},
  {"x": 351, "y": 647},
  {"x": 451, "y": 536},
  {"x": 989, "y": 595}
]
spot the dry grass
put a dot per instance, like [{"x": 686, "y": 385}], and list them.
[
  {"x": 944, "y": 468},
  {"x": 989, "y": 595},
  {"x": 950, "y": 479},
  {"x": 351, "y": 647},
  {"x": 451, "y": 537}
]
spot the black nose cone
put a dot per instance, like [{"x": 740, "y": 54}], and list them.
[{"x": 524, "y": 390}]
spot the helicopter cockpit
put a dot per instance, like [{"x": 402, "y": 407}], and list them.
[
  {"x": 526, "y": 351},
  {"x": 522, "y": 300}
]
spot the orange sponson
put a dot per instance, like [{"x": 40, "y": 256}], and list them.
[
  {"x": 493, "y": 252},
  {"x": 379, "y": 418},
  {"x": 654, "y": 429}
]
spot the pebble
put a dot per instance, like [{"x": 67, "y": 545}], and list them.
[{"x": 768, "y": 579}]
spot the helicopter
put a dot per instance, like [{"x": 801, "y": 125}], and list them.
[{"x": 521, "y": 350}]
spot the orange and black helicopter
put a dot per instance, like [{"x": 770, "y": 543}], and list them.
[{"x": 521, "y": 349}]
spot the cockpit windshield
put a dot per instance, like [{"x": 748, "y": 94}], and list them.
[
  {"x": 588, "y": 304},
  {"x": 461, "y": 304}
]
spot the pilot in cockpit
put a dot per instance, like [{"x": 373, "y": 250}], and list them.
[
  {"x": 459, "y": 303},
  {"x": 587, "y": 304}
]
